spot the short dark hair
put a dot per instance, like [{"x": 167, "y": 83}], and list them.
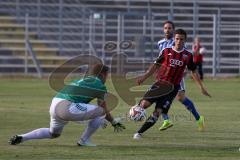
[
  {"x": 170, "y": 22},
  {"x": 181, "y": 31},
  {"x": 98, "y": 69}
]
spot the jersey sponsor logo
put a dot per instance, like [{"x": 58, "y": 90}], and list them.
[{"x": 174, "y": 62}]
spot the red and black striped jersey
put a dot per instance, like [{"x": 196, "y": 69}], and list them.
[{"x": 172, "y": 65}]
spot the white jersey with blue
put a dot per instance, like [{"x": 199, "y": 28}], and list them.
[{"x": 164, "y": 43}]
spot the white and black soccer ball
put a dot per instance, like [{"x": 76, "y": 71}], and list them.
[
  {"x": 202, "y": 50},
  {"x": 137, "y": 113}
]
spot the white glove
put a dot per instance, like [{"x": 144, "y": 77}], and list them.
[
  {"x": 118, "y": 126},
  {"x": 104, "y": 124}
]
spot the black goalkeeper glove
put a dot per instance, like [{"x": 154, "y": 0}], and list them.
[{"x": 118, "y": 127}]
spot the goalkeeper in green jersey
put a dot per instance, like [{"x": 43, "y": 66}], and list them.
[{"x": 72, "y": 104}]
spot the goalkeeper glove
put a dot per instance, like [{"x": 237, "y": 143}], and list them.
[{"x": 118, "y": 127}]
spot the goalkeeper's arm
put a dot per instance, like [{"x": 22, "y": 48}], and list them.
[{"x": 118, "y": 126}]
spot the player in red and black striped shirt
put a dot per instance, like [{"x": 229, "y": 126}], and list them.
[
  {"x": 170, "y": 66},
  {"x": 173, "y": 63}
]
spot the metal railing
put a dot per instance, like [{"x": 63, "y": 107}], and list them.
[
  {"x": 29, "y": 50},
  {"x": 73, "y": 28}
]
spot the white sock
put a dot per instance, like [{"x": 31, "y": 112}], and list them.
[
  {"x": 93, "y": 125},
  {"x": 40, "y": 133}
]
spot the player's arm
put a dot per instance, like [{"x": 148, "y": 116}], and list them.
[
  {"x": 102, "y": 103},
  {"x": 200, "y": 84},
  {"x": 147, "y": 74},
  {"x": 118, "y": 126},
  {"x": 196, "y": 78},
  {"x": 152, "y": 69}
]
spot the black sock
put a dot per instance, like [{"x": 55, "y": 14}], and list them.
[{"x": 148, "y": 124}]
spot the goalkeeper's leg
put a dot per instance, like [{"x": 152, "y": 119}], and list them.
[
  {"x": 91, "y": 128},
  {"x": 55, "y": 130}
]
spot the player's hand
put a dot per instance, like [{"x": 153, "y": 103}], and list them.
[
  {"x": 205, "y": 92},
  {"x": 118, "y": 127},
  {"x": 140, "y": 80}
]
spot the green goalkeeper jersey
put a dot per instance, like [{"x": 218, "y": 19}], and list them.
[{"x": 83, "y": 90}]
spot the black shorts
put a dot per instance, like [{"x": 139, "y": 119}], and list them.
[{"x": 164, "y": 98}]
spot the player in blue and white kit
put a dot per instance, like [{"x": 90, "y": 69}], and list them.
[
  {"x": 168, "y": 41},
  {"x": 72, "y": 104}
]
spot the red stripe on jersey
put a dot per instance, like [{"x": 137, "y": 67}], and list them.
[
  {"x": 173, "y": 66},
  {"x": 171, "y": 70},
  {"x": 164, "y": 69},
  {"x": 178, "y": 71},
  {"x": 189, "y": 56}
]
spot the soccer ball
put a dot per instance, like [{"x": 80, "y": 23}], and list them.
[
  {"x": 137, "y": 113},
  {"x": 202, "y": 50}
]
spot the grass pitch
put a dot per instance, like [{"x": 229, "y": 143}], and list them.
[{"x": 24, "y": 104}]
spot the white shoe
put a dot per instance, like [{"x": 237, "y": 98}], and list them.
[
  {"x": 86, "y": 144},
  {"x": 137, "y": 136}
]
